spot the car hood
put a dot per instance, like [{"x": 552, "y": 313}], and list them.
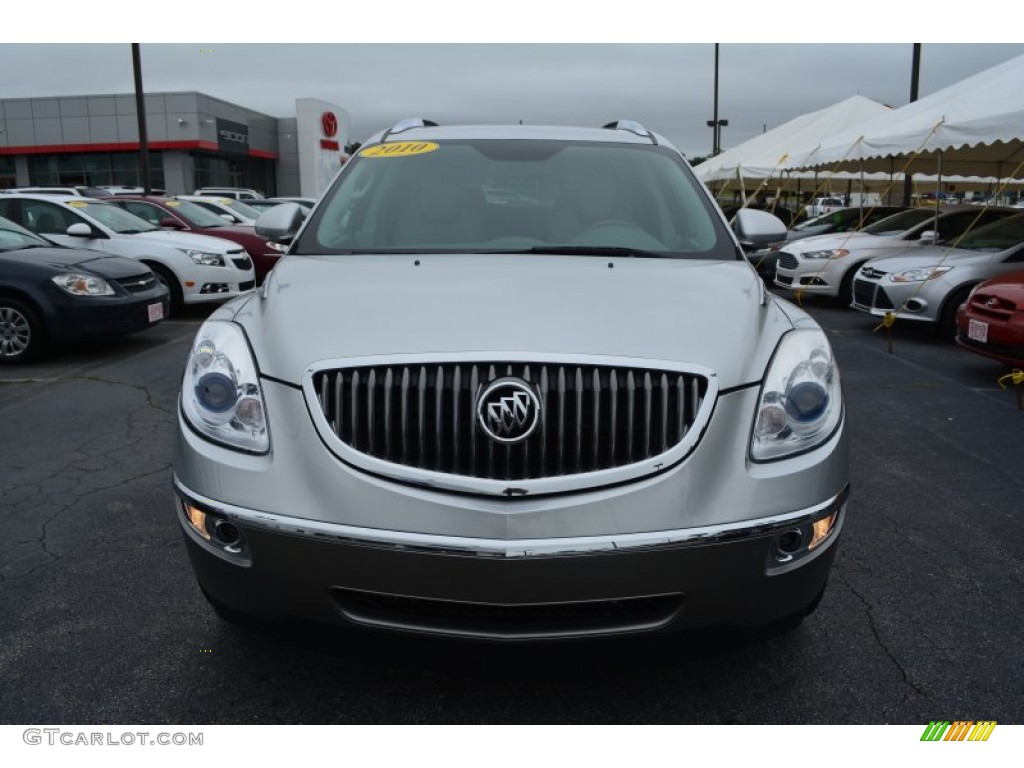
[
  {"x": 705, "y": 313},
  {"x": 851, "y": 241},
  {"x": 188, "y": 240},
  {"x": 1008, "y": 286},
  {"x": 60, "y": 259},
  {"x": 929, "y": 256}
]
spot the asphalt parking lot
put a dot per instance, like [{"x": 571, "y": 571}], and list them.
[{"x": 101, "y": 621}]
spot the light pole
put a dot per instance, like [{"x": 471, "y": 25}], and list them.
[{"x": 716, "y": 125}]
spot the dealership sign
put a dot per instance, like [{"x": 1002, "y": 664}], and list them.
[
  {"x": 329, "y": 125},
  {"x": 232, "y": 137}
]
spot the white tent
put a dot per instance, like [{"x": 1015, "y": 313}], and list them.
[
  {"x": 762, "y": 156},
  {"x": 976, "y": 126}
]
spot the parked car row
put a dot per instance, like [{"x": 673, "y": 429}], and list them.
[
  {"x": 958, "y": 268},
  {"x": 74, "y": 265}
]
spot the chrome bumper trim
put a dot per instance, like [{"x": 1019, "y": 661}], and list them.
[{"x": 517, "y": 548}]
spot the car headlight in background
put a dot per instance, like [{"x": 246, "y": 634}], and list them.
[
  {"x": 205, "y": 259},
  {"x": 276, "y": 246},
  {"x": 220, "y": 393},
  {"x": 834, "y": 253},
  {"x": 83, "y": 285},
  {"x": 801, "y": 399},
  {"x": 918, "y": 275}
]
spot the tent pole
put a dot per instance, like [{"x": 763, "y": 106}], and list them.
[
  {"x": 938, "y": 186},
  {"x": 862, "y": 192}
]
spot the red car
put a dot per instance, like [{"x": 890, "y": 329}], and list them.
[
  {"x": 188, "y": 217},
  {"x": 991, "y": 321}
]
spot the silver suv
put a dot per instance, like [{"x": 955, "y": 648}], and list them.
[{"x": 513, "y": 382}]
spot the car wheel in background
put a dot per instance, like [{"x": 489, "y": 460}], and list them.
[
  {"x": 846, "y": 286},
  {"x": 947, "y": 320},
  {"x": 21, "y": 332},
  {"x": 167, "y": 278}
]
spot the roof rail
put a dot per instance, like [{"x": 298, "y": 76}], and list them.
[
  {"x": 633, "y": 127},
  {"x": 407, "y": 124}
]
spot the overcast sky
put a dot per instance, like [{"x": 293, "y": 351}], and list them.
[{"x": 668, "y": 87}]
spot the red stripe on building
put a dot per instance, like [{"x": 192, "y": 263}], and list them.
[{"x": 129, "y": 146}]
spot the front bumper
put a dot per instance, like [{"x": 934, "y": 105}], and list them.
[
  {"x": 80, "y": 317},
  {"x": 907, "y": 301},
  {"x": 688, "y": 548},
  {"x": 570, "y": 587},
  {"x": 812, "y": 276}
]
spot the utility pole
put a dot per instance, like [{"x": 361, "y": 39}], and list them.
[
  {"x": 715, "y": 124},
  {"x": 915, "y": 77},
  {"x": 140, "y": 112}
]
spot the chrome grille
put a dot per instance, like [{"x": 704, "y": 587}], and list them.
[
  {"x": 138, "y": 283},
  {"x": 593, "y": 417},
  {"x": 787, "y": 261}
]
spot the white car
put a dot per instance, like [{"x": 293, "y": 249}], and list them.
[
  {"x": 195, "y": 268},
  {"x": 825, "y": 265},
  {"x": 235, "y": 193},
  {"x": 231, "y": 210},
  {"x": 823, "y": 205}
]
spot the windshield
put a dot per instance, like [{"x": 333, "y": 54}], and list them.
[
  {"x": 507, "y": 196},
  {"x": 999, "y": 236},
  {"x": 13, "y": 237},
  {"x": 195, "y": 215},
  {"x": 835, "y": 219},
  {"x": 241, "y": 208},
  {"x": 900, "y": 222},
  {"x": 112, "y": 217}
]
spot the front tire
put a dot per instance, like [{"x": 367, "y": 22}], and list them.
[
  {"x": 947, "y": 320},
  {"x": 22, "y": 335},
  {"x": 167, "y": 278}
]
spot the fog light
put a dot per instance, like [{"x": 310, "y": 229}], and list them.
[
  {"x": 197, "y": 519},
  {"x": 227, "y": 534},
  {"x": 214, "y": 288},
  {"x": 821, "y": 529},
  {"x": 790, "y": 541}
]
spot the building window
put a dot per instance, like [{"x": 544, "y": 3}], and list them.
[
  {"x": 8, "y": 178},
  {"x": 93, "y": 169}
]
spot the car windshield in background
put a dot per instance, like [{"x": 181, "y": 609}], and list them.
[
  {"x": 196, "y": 215},
  {"x": 508, "y": 196},
  {"x": 111, "y": 216},
  {"x": 994, "y": 237},
  {"x": 13, "y": 237},
  {"x": 241, "y": 209},
  {"x": 900, "y": 222}
]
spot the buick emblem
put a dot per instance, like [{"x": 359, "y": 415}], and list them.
[{"x": 508, "y": 410}]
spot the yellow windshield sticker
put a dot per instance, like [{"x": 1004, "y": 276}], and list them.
[
  {"x": 400, "y": 149},
  {"x": 77, "y": 203},
  {"x": 173, "y": 203}
]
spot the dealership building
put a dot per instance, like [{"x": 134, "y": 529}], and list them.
[{"x": 194, "y": 141}]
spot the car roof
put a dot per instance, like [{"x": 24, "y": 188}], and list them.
[
  {"x": 62, "y": 198},
  {"x": 525, "y": 132}
]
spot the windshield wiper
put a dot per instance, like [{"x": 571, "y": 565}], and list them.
[{"x": 590, "y": 250}]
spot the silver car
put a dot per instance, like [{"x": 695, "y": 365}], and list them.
[
  {"x": 513, "y": 382},
  {"x": 930, "y": 284},
  {"x": 826, "y": 264}
]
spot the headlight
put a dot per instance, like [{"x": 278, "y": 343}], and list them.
[
  {"x": 83, "y": 285},
  {"x": 206, "y": 259},
  {"x": 220, "y": 392},
  {"x": 276, "y": 246},
  {"x": 801, "y": 399},
  {"x": 918, "y": 275},
  {"x": 835, "y": 253}
]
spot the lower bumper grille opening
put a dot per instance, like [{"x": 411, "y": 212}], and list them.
[{"x": 485, "y": 620}]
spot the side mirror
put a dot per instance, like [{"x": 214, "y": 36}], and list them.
[
  {"x": 229, "y": 217},
  {"x": 755, "y": 229},
  {"x": 928, "y": 237},
  {"x": 170, "y": 223},
  {"x": 281, "y": 223},
  {"x": 80, "y": 229}
]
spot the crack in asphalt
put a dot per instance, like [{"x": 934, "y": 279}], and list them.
[
  {"x": 42, "y": 540},
  {"x": 878, "y": 638}
]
